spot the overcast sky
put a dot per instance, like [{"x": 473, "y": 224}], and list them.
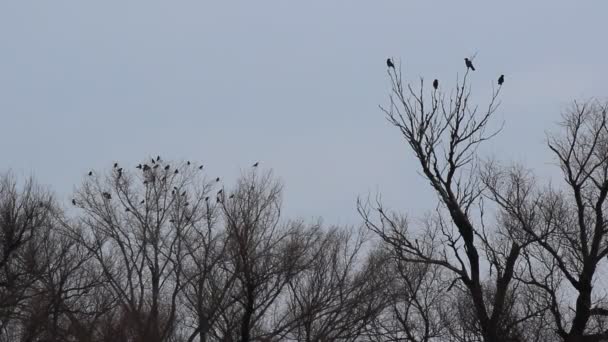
[{"x": 295, "y": 85}]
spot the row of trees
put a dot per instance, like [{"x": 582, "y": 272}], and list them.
[{"x": 161, "y": 253}]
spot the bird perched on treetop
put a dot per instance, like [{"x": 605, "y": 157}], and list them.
[
  {"x": 389, "y": 63},
  {"x": 188, "y": 162},
  {"x": 73, "y": 201},
  {"x": 115, "y": 165},
  {"x": 217, "y": 179},
  {"x": 501, "y": 79},
  {"x": 256, "y": 164},
  {"x": 436, "y": 84},
  {"x": 200, "y": 167},
  {"x": 90, "y": 173},
  {"x": 469, "y": 64},
  {"x": 167, "y": 167}
]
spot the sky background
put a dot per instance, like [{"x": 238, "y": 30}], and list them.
[{"x": 295, "y": 85}]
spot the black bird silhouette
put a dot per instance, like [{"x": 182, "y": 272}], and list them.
[
  {"x": 231, "y": 196},
  {"x": 220, "y": 192},
  {"x": 176, "y": 171},
  {"x": 115, "y": 165},
  {"x": 171, "y": 220},
  {"x": 469, "y": 64},
  {"x": 217, "y": 179},
  {"x": 142, "y": 202},
  {"x": 188, "y": 162},
  {"x": 73, "y": 201},
  {"x": 138, "y": 166},
  {"x": 106, "y": 195},
  {"x": 157, "y": 158},
  {"x": 167, "y": 167},
  {"x": 501, "y": 79},
  {"x": 153, "y": 162},
  {"x": 200, "y": 167},
  {"x": 256, "y": 164},
  {"x": 389, "y": 63},
  {"x": 184, "y": 193},
  {"x": 436, "y": 84},
  {"x": 127, "y": 209},
  {"x": 207, "y": 199},
  {"x": 119, "y": 170},
  {"x": 90, "y": 173}
]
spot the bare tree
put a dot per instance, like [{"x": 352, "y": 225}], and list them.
[
  {"x": 568, "y": 226},
  {"x": 444, "y": 134},
  {"x": 26, "y": 213},
  {"x": 134, "y": 225}
]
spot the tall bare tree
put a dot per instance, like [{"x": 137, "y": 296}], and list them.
[{"x": 444, "y": 133}]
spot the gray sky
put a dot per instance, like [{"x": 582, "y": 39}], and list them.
[{"x": 295, "y": 85}]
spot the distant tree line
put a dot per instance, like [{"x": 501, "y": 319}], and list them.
[{"x": 160, "y": 252}]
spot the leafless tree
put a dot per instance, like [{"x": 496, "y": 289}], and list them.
[
  {"x": 134, "y": 224},
  {"x": 568, "y": 225},
  {"x": 444, "y": 134},
  {"x": 26, "y": 213}
]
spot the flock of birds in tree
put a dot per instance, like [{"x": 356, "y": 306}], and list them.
[
  {"x": 150, "y": 178},
  {"x": 467, "y": 62}
]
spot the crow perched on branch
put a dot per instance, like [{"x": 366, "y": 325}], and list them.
[
  {"x": 256, "y": 164},
  {"x": 389, "y": 63},
  {"x": 90, "y": 173},
  {"x": 469, "y": 64},
  {"x": 436, "y": 84},
  {"x": 501, "y": 80}
]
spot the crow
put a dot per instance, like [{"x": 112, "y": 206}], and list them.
[
  {"x": 171, "y": 220},
  {"x": 157, "y": 158},
  {"x": 220, "y": 192},
  {"x": 207, "y": 199},
  {"x": 106, "y": 195},
  {"x": 73, "y": 201},
  {"x": 176, "y": 171},
  {"x": 256, "y": 164},
  {"x": 501, "y": 79},
  {"x": 200, "y": 167},
  {"x": 389, "y": 63},
  {"x": 115, "y": 165},
  {"x": 436, "y": 84},
  {"x": 217, "y": 179},
  {"x": 231, "y": 196},
  {"x": 469, "y": 64},
  {"x": 188, "y": 162},
  {"x": 90, "y": 173},
  {"x": 142, "y": 202},
  {"x": 167, "y": 167},
  {"x": 127, "y": 209},
  {"x": 138, "y": 166},
  {"x": 153, "y": 162}
]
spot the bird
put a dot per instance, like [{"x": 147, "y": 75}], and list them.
[
  {"x": 256, "y": 164},
  {"x": 220, "y": 192},
  {"x": 217, "y": 179},
  {"x": 90, "y": 173},
  {"x": 436, "y": 84},
  {"x": 207, "y": 199},
  {"x": 176, "y": 171},
  {"x": 501, "y": 79},
  {"x": 231, "y": 196},
  {"x": 115, "y": 165},
  {"x": 142, "y": 202},
  {"x": 119, "y": 170},
  {"x": 167, "y": 167},
  {"x": 138, "y": 166},
  {"x": 127, "y": 209},
  {"x": 106, "y": 195},
  {"x": 171, "y": 220},
  {"x": 157, "y": 158},
  {"x": 145, "y": 182},
  {"x": 188, "y": 162},
  {"x": 153, "y": 162},
  {"x": 200, "y": 167},
  {"x": 184, "y": 193},
  {"x": 73, "y": 201},
  {"x": 469, "y": 64},
  {"x": 186, "y": 204},
  {"x": 389, "y": 63}
]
